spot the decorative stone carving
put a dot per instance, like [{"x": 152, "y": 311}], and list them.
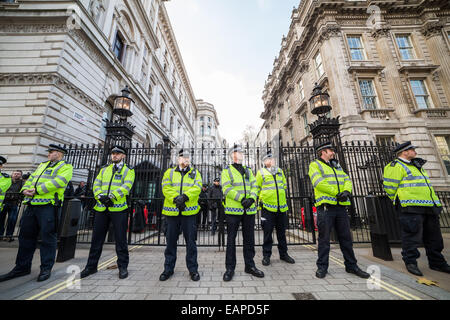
[
  {"x": 21, "y": 79},
  {"x": 329, "y": 31},
  {"x": 381, "y": 31},
  {"x": 432, "y": 28}
]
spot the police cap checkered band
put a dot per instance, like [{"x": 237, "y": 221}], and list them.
[
  {"x": 325, "y": 145},
  {"x": 118, "y": 149}
]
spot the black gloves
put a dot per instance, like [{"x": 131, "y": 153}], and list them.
[
  {"x": 343, "y": 196},
  {"x": 247, "y": 202},
  {"x": 180, "y": 201},
  {"x": 106, "y": 201}
]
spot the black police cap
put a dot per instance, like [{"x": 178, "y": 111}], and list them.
[
  {"x": 184, "y": 153},
  {"x": 217, "y": 180},
  {"x": 325, "y": 145},
  {"x": 268, "y": 155},
  {"x": 54, "y": 147},
  {"x": 404, "y": 146},
  {"x": 119, "y": 149},
  {"x": 2, "y": 160}
]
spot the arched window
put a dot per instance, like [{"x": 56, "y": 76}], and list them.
[{"x": 202, "y": 130}]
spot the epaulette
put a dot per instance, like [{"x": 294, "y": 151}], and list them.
[
  {"x": 393, "y": 163},
  {"x": 105, "y": 166},
  {"x": 227, "y": 167},
  {"x": 5, "y": 175}
]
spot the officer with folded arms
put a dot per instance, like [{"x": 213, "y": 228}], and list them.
[
  {"x": 111, "y": 187},
  {"x": 408, "y": 185},
  {"x": 240, "y": 192},
  {"x": 272, "y": 186},
  {"x": 181, "y": 187},
  {"x": 44, "y": 194},
  {"x": 332, "y": 191}
]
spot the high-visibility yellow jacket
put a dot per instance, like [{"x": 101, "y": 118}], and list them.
[
  {"x": 5, "y": 183},
  {"x": 272, "y": 191},
  {"x": 409, "y": 184},
  {"x": 50, "y": 181},
  {"x": 118, "y": 185},
  {"x": 175, "y": 184},
  {"x": 235, "y": 188},
  {"x": 328, "y": 182}
]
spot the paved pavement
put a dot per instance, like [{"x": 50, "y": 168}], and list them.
[{"x": 281, "y": 282}]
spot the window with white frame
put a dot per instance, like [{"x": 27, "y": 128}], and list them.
[
  {"x": 356, "y": 48},
  {"x": 420, "y": 92},
  {"x": 318, "y": 64},
  {"x": 301, "y": 90},
  {"x": 405, "y": 46},
  {"x": 385, "y": 140},
  {"x": 368, "y": 94},
  {"x": 443, "y": 146}
]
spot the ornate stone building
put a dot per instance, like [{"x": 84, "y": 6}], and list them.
[
  {"x": 386, "y": 66},
  {"x": 63, "y": 63},
  {"x": 207, "y": 126}
]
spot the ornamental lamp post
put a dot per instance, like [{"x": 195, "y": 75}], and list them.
[
  {"x": 123, "y": 104},
  {"x": 319, "y": 102}
]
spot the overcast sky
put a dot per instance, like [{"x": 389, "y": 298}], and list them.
[{"x": 228, "y": 48}]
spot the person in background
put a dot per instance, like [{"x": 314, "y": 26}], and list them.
[
  {"x": 11, "y": 206},
  {"x": 202, "y": 218},
  {"x": 215, "y": 196}
]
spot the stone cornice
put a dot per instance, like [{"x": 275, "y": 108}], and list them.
[{"x": 53, "y": 79}]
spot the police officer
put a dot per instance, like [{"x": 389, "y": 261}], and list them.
[
  {"x": 44, "y": 193},
  {"x": 408, "y": 185},
  {"x": 181, "y": 187},
  {"x": 240, "y": 192},
  {"x": 111, "y": 187},
  {"x": 272, "y": 186},
  {"x": 332, "y": 190},
  {"x": 5, "y": 183}
]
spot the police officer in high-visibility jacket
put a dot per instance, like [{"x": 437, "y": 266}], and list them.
[
  {"x": 181, "y": 187},
  {"x": 240, "y": 192},
  {"x": 44, "y": 194},
  {"x": 5, "y": 182},
  {"x": 111, "y": 188},
  {"x": 272, "y": 186},
  {"x": 408, "y": 185},
  {"x": 332, "y": 190}
]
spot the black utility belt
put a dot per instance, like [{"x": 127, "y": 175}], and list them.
[{"x": 330, "y": 206}]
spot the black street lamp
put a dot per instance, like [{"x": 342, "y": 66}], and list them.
[
  {"x": 120, "y": 131},
  {"x": 123, "y": 104},
  {"x": 319, "y": 102}
]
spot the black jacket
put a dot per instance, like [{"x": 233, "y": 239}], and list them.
[
  {"x": 13, "y": 195},
  {"x": 215, "y": 193}
]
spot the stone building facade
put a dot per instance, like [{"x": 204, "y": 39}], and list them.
[
  {"x": 385, "y": 65},
  {"x": 207, "y": 127},
  {"x": 63, "y": 63}
]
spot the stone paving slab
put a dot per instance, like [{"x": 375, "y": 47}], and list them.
[{"x": 281, "y": 280}]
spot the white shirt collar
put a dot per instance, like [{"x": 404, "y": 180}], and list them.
[{"x": 404, "y": 160}]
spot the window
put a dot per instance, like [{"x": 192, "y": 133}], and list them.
[
  {"x": 119, "y": 46},
  {"x": 405, "y": 47},
  {"x": 385, "y": 140},
  {"x": 202, "y": 118},
  {"x": 208, "y": 132},
  {"x": 443, "y": 145},
  {"x": 202, "y": 130},
  {"x": 368, "y": 94},
  {"x": 318, "y": 63},
  {"x": 356, "y": 48},
  {"x": 291, "y": 131},
  {"x": 209, "y": 119},
  {"x": 420, "y": 93},
  {"x": 161, "y": 112},
  {"x": 301, "y": 90},
  {"x": 305, "y": 124},
  {"x": 171, "y": 124}
]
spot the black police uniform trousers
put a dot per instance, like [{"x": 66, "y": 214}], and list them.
[
  {"x": 248, "y": 235},
  {"x": 189, "y": 228},
  {"x": 102, "y": 220},
  {"x": 37, "y": 220},
  {"x": 422, "y": 227},
  {"x": 269, "y": 221},
  {"x": 329, "y": 216}
]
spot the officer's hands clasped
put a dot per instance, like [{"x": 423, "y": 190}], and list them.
[
  {"x": 106, "y": 201},
  {"x": 180, "y": 201},
  {"x": 247, "y": 202},
  {"x": 343, "y": 196}
]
